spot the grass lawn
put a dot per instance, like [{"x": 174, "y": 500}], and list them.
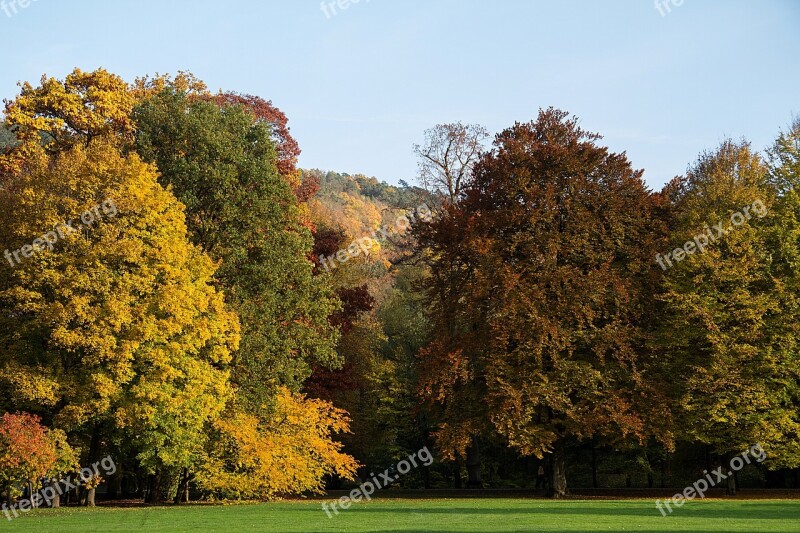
[{"x": 412, "y": 515}]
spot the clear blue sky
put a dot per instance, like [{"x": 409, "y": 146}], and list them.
[{"x": 361, "y": 86}]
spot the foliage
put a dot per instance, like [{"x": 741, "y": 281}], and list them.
[
  {"x": 56, "y": 115},
  {"x": 286, "y": 146},
  {"x": 221, "y": 162},
  {"x": 27, "y": 453},
  {"x": 7, "y": 138},
  {"x": 66, "y": 457},
  {"x": 118, "y": 324},
  {"x": 381, "y": 323},
  {"x": 531, "y": 315},
  {"x": 736, "y": 306},
  {"x": 784, "y": 159},
  {"x": 539, "y": 283},
  {"x": 290, "y": 453}
]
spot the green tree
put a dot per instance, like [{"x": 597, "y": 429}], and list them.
[
  {"x": 784, "y": 159},
  {"x": 7, "y": 138},
  {"x": 221, "y": 162},
  {"x": 781, "y": 418},
  {"x": 730, "y": 306}
]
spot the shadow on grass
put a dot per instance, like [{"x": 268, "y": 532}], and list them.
[{"x": 690, "y": 510}]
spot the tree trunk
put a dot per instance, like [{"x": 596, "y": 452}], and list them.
[
  {"x": 30, "y": 494},
  {"x": 186, "y": 486},
  {"x": 594, "y": 465},
  {"x": 474, "y": 465},
  {"x": 457, "y": 472},
  {"x": 731, "y": 488},
  {"x": 731, "y": 480},
  {"x": 182, "y": 496},
  {"x": 526, "y": 471},
  {"x": 154, "y": 489},
  {"x": 56, "y": 501},
  {"x": 74, "y": 495},
  {"x": 115, "y": 485},
  {"x": 94, "y": 445},
  {"x": 90, "y": 497},
  {"x": 558, "y": 480}
]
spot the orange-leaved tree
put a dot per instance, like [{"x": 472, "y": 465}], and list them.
[
  {"x": 27, "y": 451},
  {"x": 546, "y": 268}
]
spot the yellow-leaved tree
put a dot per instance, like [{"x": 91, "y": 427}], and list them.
[
  {"x": 110, "y": 324},
  {"x": 58, "y": 114},
  {"x": 290, "y": 454},
  {"x": 118, "y": 332}
]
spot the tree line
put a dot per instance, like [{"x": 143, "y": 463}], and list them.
[
  {"x": 555, "y": 323},
  {"x": 196, "y": 338},
  {"x": 175, "y": 336}
]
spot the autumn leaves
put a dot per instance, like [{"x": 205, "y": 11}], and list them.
[
  {"x": 701, "y": 241},
  {"x": 61, "y": 230},
  {"x": 553, "y": 326},
  {"x": 176, "y": 333}
]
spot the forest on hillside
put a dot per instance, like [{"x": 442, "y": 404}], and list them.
[{"x": 178, "y": 296}]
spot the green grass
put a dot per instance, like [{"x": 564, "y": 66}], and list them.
[{"x": 459, "y": 515}]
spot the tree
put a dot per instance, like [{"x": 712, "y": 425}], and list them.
[
  {"x": 446, "y": 162},
  {"x": 58, "y": 114},
  {"x": 543, "y": 268},
  {"x": 447, "y": 157},
  {"x": 290, "y": 454},
  {"x": 66, "y": 461},
  {"x": 29, "y": 452},
  {"x": 784, "y": 160},
  {"x": 114, "y": 326},
  {"x": 221, "y": 162},
  {"x": 735, "y": 305},
  {"x": 26, "y": 453},
  {"x": 781, "y": 419},
  {"x": 286, "y": 146}
]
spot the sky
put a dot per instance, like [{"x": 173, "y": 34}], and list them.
[{"x": 360, "y": 84}]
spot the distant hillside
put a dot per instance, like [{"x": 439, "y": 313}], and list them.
[{"x": 358, "y": 204}]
